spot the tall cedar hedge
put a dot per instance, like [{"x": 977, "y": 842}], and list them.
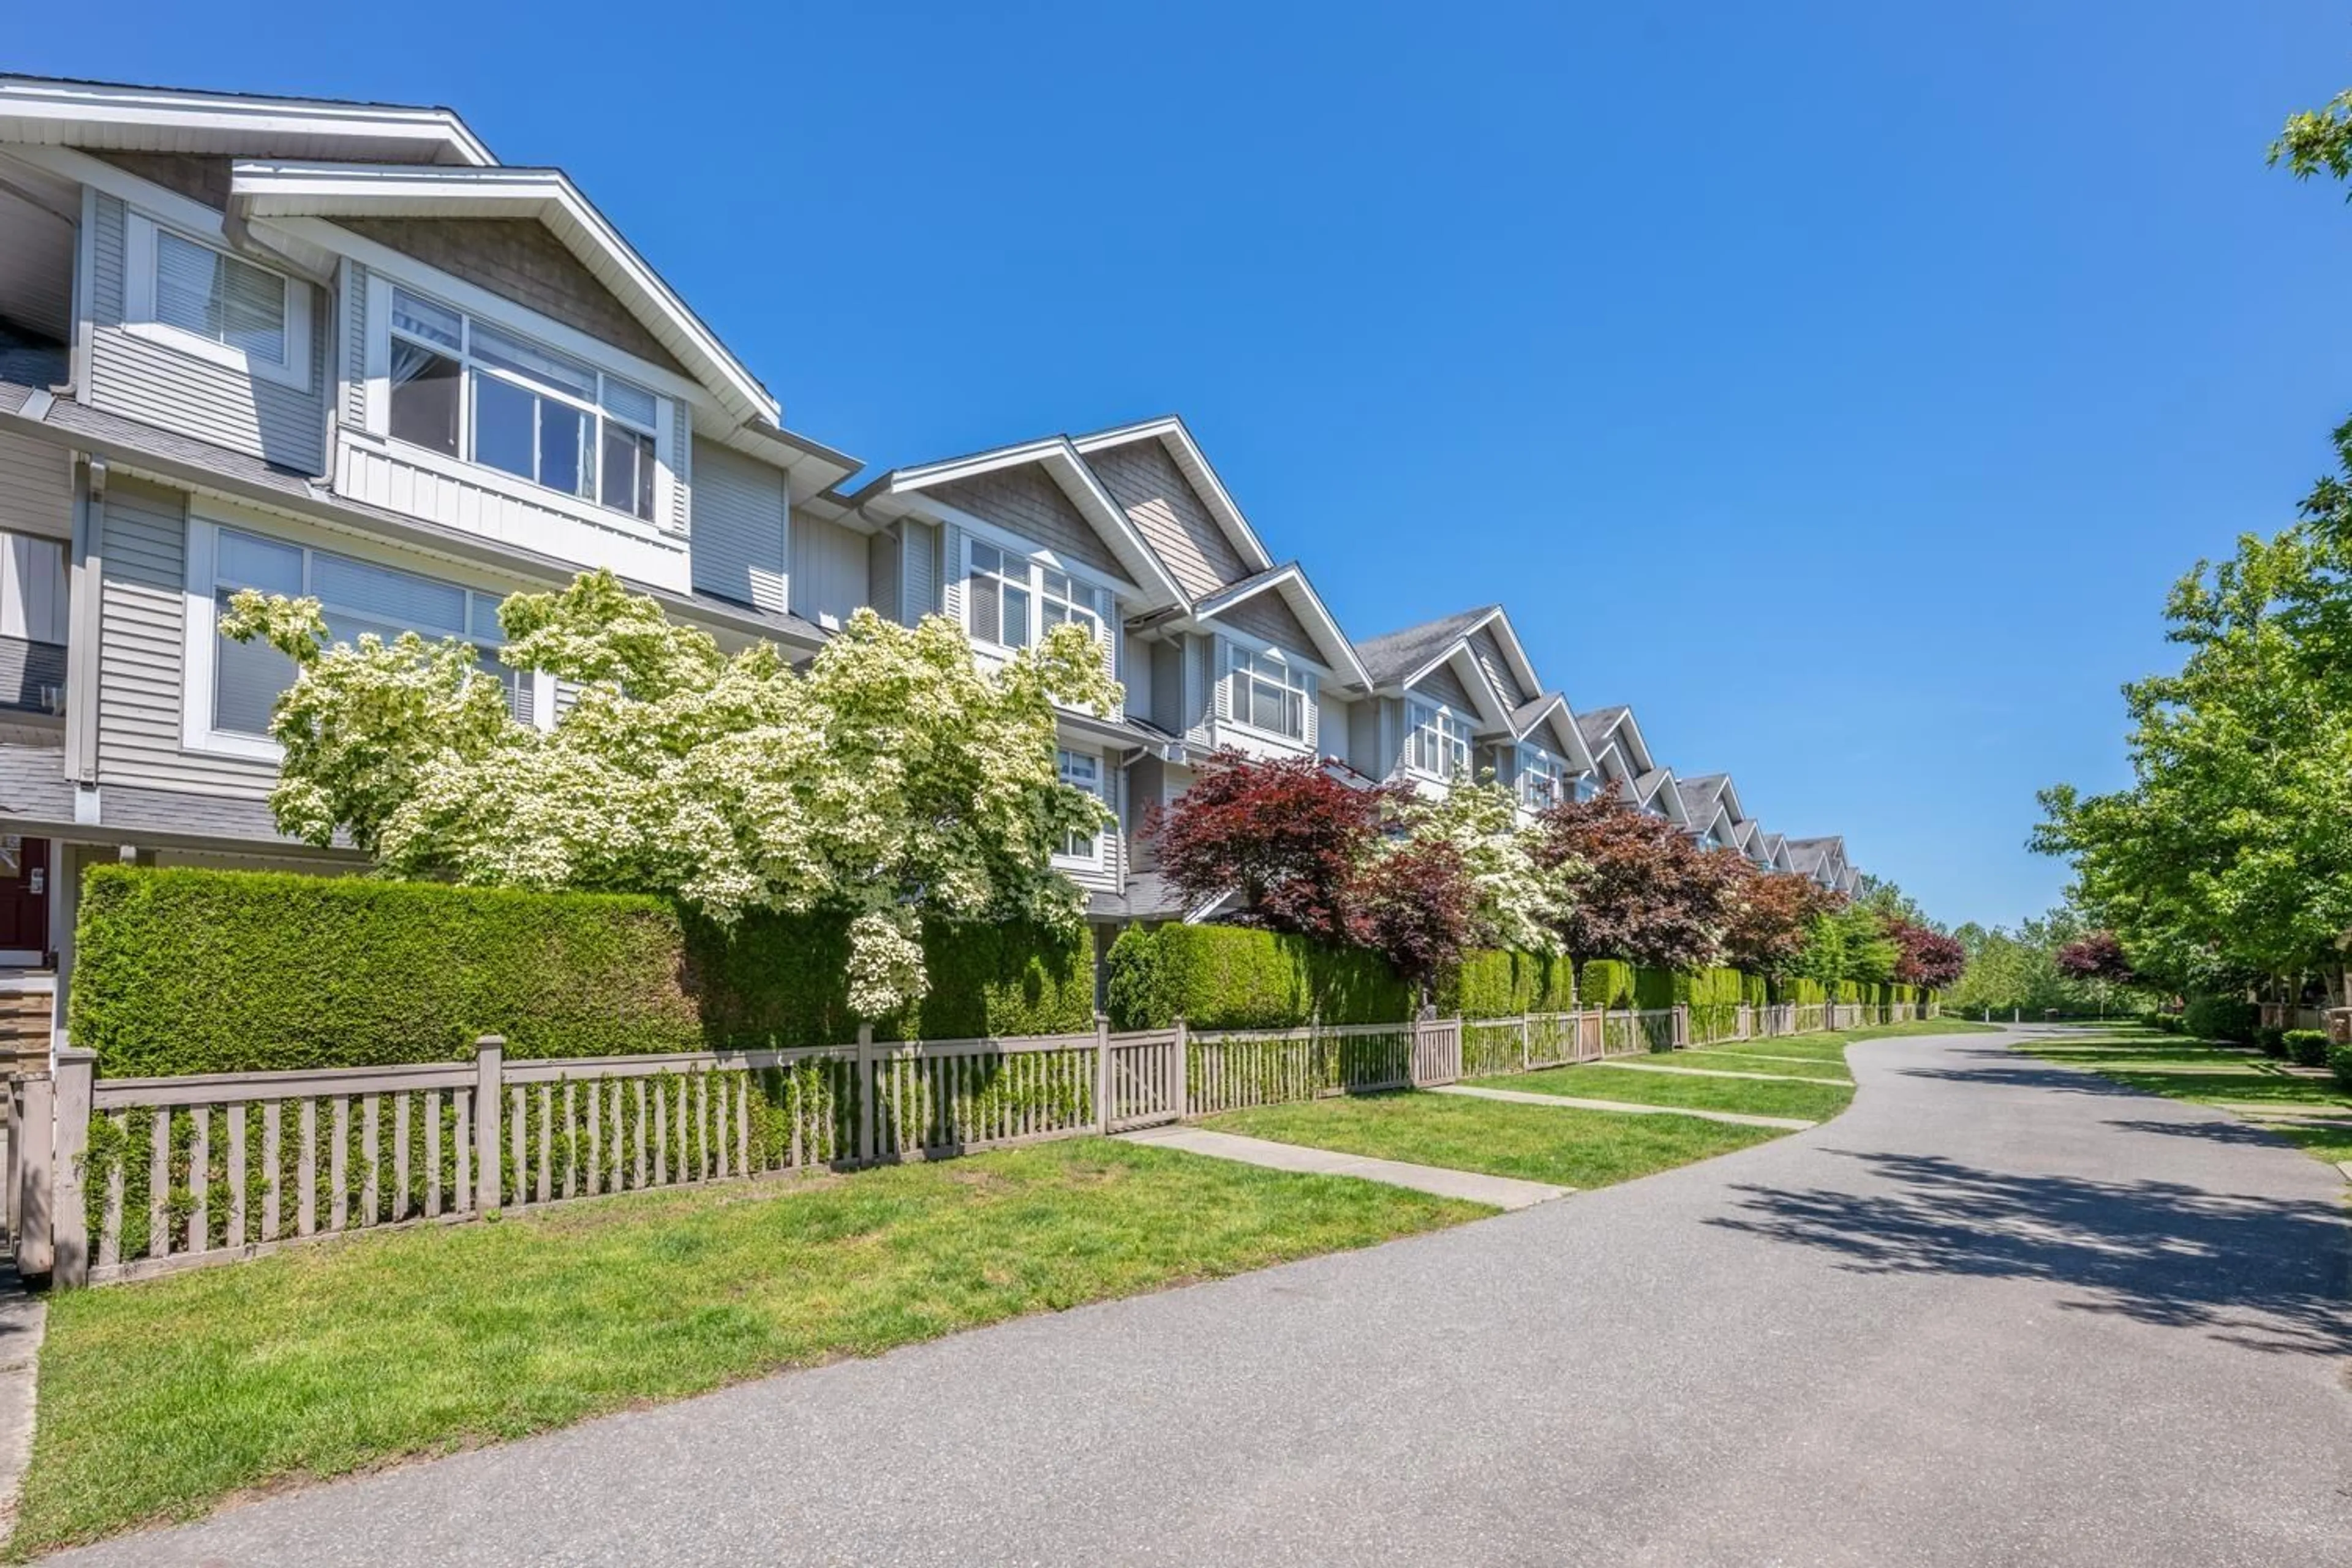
[
  {"x": 187, "y": 970},
  {"x": 1233, "y": 977},
  {"x": 1495, "y": 983}
]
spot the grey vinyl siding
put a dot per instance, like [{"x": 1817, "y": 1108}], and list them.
[
  {"x": 828, "y": 565},
  {"x": 143, "y": 380},
  {"x": 1335, "y": 725},
  {"x": 1200, "y": 683},
  {"x": 1167, "y": 710},
  {"x": 1267, "y": 615},
  {"x": 37, "y": 266},
  {"x": 741, "y": 521},
  {"x": 1147, "y": 784},
  {"x": 1170, "y": 514},
  {"x": 1487, "y": 648},
  {"x": 1027, "y": 502},
  {"x": 142, "y": 652},
  {"x": 884, "y": 577},
  {"x": 354, "y": 372},
  {"x": 1376, "y": 736},
  {"x": 919, "y": 558},
  {"x": 1134, "y": 668},
  {"x": 1446, "y": 687},
  {"x": 35, "y": 488}
]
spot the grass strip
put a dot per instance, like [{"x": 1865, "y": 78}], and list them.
[{"x": 158, "y": 1400}]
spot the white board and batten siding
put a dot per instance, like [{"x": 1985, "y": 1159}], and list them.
[
  {"x": 741, "y": 523},
  {"x": 140, "y": 378},
  {"x": 141, "y": 653}
]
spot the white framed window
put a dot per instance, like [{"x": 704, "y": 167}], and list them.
[
  {"x": 1081, "y": 770},
  {"x": 1542, "y": 778},
  {"x": 1268, "y": 694},
  {"x": 1437, "y": 742},
  {"x": 467, "y": 390},
  {"x": 231, "y": 686},
  {"x": 194, "y": 296},
  {"x": 1012, "y": 601}
]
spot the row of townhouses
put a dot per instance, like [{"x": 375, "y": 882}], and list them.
[{"x": 339, "y": 349}]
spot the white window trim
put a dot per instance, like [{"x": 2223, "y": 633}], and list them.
[
  {"x": 1562, "y": 784},
  {"x": 1227, "y": 646},
  {"x": 1096, "y": 861},
  {"x": 200, "y": 639},
  {"x": 139, "y": 254},
  {"x": 1040, "y": 558},
  {"x": 377, "y": 372},
  {"x": 1469, "y": 740}
]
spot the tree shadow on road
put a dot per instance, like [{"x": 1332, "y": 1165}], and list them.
[
  {"x": 2269, "y": 1274},
  {"x": 2213, "y": 1129}
]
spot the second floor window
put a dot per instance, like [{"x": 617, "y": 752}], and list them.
[
  {"x": 471, "y": 391},
  {"x": 1439, "y": 742},
  {"x": 1540, "y": 776},
  {"x": 1079, "y": 771},
  {"x": 1270, "y": 696},
  {"x": 358, "y": 596},
  {"x": 1012, "y": 602},
  {"x": 219, "y": 298}
]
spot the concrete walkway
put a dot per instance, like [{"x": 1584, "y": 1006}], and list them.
[
  {"x": 1725, "y": 1053},
  {"x": 1728, "y": 1072},
  {"x": 1737, "y": 1117},
  {"x": 1999, "y": 1314},
  {"x": 1502, "y": 1192},
  {"x": 23, "y": 1318}
]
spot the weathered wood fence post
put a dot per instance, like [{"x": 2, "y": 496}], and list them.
[
  {"x": 1102, "y": 1074},
  {"x": 865, "y": 1141},
  {"x": 1180, "y": 1066},
  {"x": 37, "y": 1127},
  {"x": 489, "y": 1090},
  {"x": 1682, "y": 1025},
  {"x": 69, "y": 1249}
]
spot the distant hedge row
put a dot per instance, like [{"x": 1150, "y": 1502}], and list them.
[
  {"x": 1231, "y": 977},
  {"x": 188, "y": 971}
]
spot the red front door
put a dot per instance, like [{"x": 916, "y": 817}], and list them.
[{"x": 23, "y": 894}]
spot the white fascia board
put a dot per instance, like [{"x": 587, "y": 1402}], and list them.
[
  {"x": 1554, "y": 711},
  {"x": 1338, "y": 652},
  {"x": 279, "y": 190},
  {"x": 1627, "y": 730},
  {"x": 33, "y": 109},
  {"x": 1497, "y": 711},
  {"x": 1499, "y": 619},
  {"x": 1170, "y": 431}
]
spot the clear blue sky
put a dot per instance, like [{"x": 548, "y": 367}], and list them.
[{"x": 1840, "y": 386}]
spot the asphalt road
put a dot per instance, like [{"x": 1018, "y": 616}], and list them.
[{"x": 1999, "y": 1313}]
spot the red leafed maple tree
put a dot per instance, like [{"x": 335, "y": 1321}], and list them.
[
  {"x": 1772, "y": 919},
  {"x": 1927, "y": 957},
  {"x": 1649, "y": 895},
  {"x": 1283, "y": 833},
  {"x": 1414, "y": 905},
  {"x": 2098, "y": 956}
]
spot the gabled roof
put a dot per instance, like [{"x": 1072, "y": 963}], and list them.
[
  {"x": 1719, "y": 790},
  {"x": 116, "y": 116},
  {"x": 1171, "y": 433},
  {"x": 1605, "y": 727},
  {"x": 1552, "y": 713},
  {"x": 1289, "y": 581},
  {"x": 278, "y": 190},
  {"x": 1399, "y": 658},
  {"x": 1657, "y": 787},
  {"x": 900, "y": 490}
]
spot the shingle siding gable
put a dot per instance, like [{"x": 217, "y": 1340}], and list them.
[
  {"x": 1170, "y": 514},
  {"x": 1027, "y": 502}
]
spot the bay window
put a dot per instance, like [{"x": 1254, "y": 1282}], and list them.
[
  {"x": 468, "y": 390},
  {"x": 1270, "y": 695},
  {"x": 1438, "y": 742},
  {"x": 357, "y": 597}
]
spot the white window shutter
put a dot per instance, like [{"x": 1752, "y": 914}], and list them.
[
  {"x": 952, "y": 583},
  {"x": 1314, "y": 736},
  {"x": 1225, "y": 678}
]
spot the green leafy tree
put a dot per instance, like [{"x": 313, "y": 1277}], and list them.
[{"x": 892, "y": 781}]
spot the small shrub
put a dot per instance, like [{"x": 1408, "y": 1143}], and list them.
[
  {"x": 2307, "y": 1047},
  {"x": 2339, "y": 1062},
  {"x": 2222, "y": 1018},
  {"x": 2272, "y": 1039}
]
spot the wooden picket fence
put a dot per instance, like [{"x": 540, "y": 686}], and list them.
[{"x": 142, "y": 1177}]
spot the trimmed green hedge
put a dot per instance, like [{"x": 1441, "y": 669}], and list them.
[
  {"x": 2306, "y": 1047},
  {"x": 1801, "y": 990},
  {"x": 1497, "y": 983},
  {"x": 1605, "y": 983},
  {"x": 1235, "y": 978},
  {"x": 186, "y": 971},
  {"x": 2222, "y": 1018}
]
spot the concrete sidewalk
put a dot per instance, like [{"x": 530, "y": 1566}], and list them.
[
  {"x": 1502, "y": 1192},
  {"x": 1736, "y": 1118},
  {"x": 1999, "y": 1314}
]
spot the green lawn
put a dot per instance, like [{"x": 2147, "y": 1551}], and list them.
[
  {"x": 2153, "y": 1063},
  {"x": 1565, "y": 1146},
  {"x": 1759, "y": 1057},
  {"x": 158, "y": 1400}
]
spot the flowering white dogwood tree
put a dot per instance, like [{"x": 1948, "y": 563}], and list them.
[
  {"x": 893, "y": 779},
  {"x": 1516, "y": 900}
]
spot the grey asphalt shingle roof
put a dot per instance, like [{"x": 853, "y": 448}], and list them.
[
  {"x": 1597, "y": 722},
  {"x": 1392, "y": 657}
]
